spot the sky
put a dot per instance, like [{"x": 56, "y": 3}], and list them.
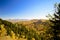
[{"x": 26, "y": 9}]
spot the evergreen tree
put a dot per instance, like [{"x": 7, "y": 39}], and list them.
[{"x": 55, "y": 20}]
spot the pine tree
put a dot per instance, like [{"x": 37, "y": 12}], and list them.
[{"x": 55, "y": 20}]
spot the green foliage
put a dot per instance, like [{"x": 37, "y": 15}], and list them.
[
  {"x": 55, "y": 20},
  {"x": 29, "y": 32}
]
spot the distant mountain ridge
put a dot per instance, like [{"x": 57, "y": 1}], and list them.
[
  {"x": 26, "y": 20},
  {"x": 16, "y": 20}
]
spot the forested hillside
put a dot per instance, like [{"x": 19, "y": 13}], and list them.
[{"x": 26, "y": 30}]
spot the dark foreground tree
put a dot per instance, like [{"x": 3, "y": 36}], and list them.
[{"x": 55, "y": 20}]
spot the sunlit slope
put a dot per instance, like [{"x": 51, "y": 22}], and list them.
[{"x": 24, "y": 30}]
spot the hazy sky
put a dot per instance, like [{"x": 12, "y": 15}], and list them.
[{"x": 26, "y": 9}]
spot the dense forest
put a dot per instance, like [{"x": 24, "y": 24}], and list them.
[{"x": 32, "y": 29}]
